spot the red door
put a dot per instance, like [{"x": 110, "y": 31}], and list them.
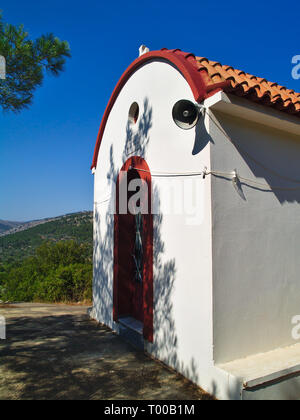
[
  {"x": 133, "y": 276},
  {"x": 130, "y": 289}
]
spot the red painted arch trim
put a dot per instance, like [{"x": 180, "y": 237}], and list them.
[{"x": 185, "y": 62}]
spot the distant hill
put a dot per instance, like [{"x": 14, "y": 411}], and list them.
[
  {"x": 14, "y": 227},
  {"x": 20, "y": 240},
  {"x": 6, "y": 226}
]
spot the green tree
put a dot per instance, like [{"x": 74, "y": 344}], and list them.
[
  {"x": 27, "y": 61},
  {"x": 57, "y": 272}
]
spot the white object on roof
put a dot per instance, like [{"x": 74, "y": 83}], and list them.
[{"x": 143, "y": 50}]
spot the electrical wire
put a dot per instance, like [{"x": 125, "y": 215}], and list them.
[
  {"x": 251, "y": 182},
  {"x": 102, "y": 202},
  {"x": 230, "y": 175},
  {"x": 170, "y": 174}
]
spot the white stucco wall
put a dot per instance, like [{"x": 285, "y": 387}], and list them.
[
  {"x": 182, "y": 247},
  {"x": 226, "y": 281},
  {"x": 256, "y": 240}
]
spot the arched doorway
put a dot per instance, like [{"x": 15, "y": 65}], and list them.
[{"x": 133, "y": 246}]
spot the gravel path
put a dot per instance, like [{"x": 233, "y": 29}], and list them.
[{"x": 57, "y": 352}]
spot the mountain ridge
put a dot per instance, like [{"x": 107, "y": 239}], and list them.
[
  {"x": 22, "y": 241},
  {"x": 8, "y": 227}
]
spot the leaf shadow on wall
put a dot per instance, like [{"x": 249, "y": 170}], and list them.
[
  {"x": 137, "y": 137},
  {"x": 165, "y": 346},
  {"x": 136, "y": 142},
  {"x": 166, "y": 342}
]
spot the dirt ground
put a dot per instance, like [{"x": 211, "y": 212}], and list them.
[{"x": 57, "y": 352}]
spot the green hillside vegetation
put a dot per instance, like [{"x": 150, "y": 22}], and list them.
[
  {"x": 57, "y": 272},
  {"x": 51, "y": 262},
  {"x": 15, "y": 247}
]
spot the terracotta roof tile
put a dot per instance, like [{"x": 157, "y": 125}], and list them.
[{"x": 251, "y": 87}]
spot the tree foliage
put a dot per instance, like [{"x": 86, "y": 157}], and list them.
[
  {"x": 60, "y": 272},
  {"x": 26, "y": 63}
]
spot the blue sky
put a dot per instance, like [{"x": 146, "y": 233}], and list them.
[{"x": 46, "y": 151}]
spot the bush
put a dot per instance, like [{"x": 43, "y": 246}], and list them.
[{"x": 60, "y": 272}]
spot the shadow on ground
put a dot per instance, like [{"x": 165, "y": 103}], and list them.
[{"x": 64, "y": 356}]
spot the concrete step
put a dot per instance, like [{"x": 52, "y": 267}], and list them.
[
  {"x": 272, "y": 375},
  {"x": 131, "y": 331}
]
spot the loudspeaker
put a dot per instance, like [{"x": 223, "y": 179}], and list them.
[{"x": 185, "y": 114}]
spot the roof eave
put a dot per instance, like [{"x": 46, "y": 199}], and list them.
[{"x": 247, "y": 110}]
